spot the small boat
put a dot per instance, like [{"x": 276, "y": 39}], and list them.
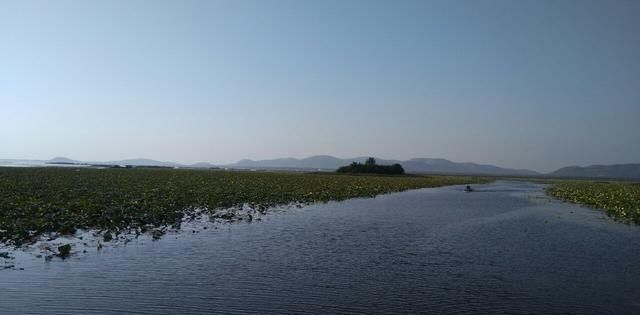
[{"x": 468, "y": 189}]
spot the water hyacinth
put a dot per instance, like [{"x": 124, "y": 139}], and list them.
[
  {"x": 35, "y": 201},
  {"x": 620, "y": 200}
]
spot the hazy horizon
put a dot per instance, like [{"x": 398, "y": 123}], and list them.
[{"x": 519, "y": 84}]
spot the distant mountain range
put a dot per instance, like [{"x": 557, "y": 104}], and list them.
[
  {"x": 422, "y": 165},
  {"x": 622, "y": 171},
  {"x": 329, "y": 163}
]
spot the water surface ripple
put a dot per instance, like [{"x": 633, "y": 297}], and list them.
[{"x": 502, "y": 249}]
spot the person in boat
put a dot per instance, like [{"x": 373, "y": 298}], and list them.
[{"x": 468, "y": 189}]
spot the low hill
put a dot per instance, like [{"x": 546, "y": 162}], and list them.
[
  {"x": 60, "y": 159},
  {"x": 622, "y": 171}
]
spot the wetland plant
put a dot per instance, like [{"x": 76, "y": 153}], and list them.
[
  {"x": 620, "y": 200},
  {"x": 37, "y": 201},
  {"x": 64, "y": 251}
]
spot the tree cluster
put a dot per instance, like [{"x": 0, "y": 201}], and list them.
[{"x": 370, "y": 167}]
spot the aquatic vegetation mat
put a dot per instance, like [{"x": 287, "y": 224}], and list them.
[
  {"x": 34, "y": 201},
  {"x": 619, "y": 199}
]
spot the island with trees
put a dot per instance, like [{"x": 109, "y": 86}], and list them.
[{"x": 371, "y": 167}]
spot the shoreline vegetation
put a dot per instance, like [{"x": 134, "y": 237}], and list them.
[
  {"x": 620, "y": 200},
  {"x": 371, "y": 167},
  {"x": 36, "y": 201}
]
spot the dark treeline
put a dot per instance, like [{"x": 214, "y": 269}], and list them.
[{"x": 371, "y": 167}]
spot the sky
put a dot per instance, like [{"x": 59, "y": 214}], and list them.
[{"x": 522, "y": 84}]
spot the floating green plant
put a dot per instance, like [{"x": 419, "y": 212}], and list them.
[
  {"x": 34, "y": 201},
  {"x": 619, "y": 199}
]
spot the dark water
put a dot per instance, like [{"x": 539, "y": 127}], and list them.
[{"x": 502, "y": 249}]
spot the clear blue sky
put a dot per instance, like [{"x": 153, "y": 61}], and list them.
[{"x": 526, "y": 84}]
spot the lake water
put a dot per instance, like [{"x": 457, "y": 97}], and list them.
[{"x": 504, "y": 248}]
